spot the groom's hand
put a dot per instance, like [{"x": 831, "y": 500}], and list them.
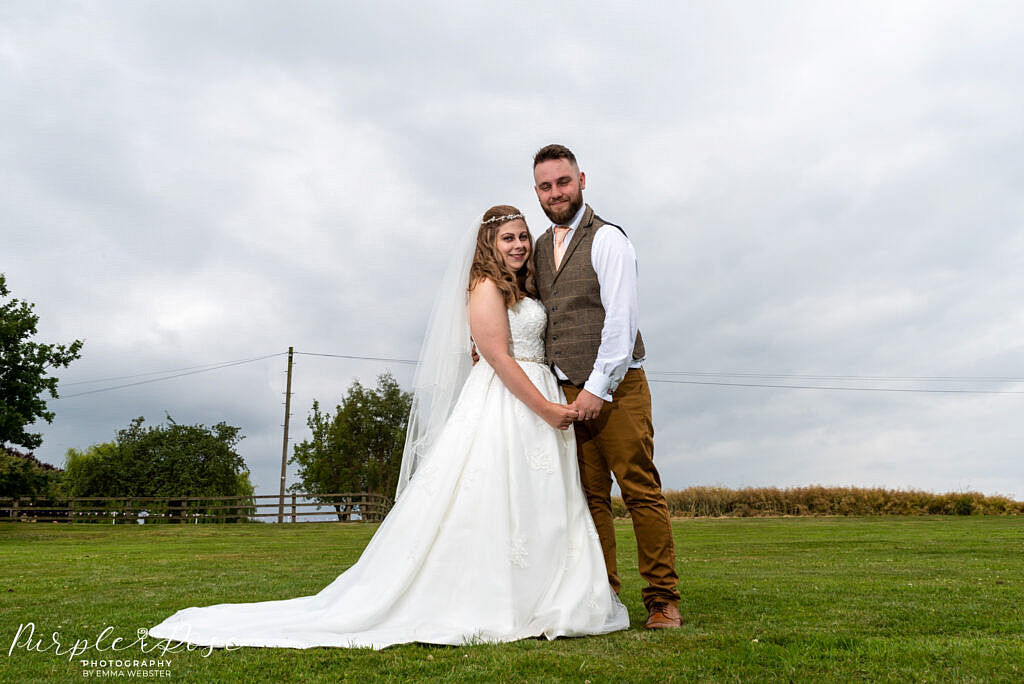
[{"x": 589, "y": 405}]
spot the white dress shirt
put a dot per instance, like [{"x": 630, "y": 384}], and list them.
[{"x": 614, "y": 260}]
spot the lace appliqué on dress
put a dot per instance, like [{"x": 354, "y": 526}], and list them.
[
  {"x": 526, "y": 322},
  {"x": 517, "y": 552},
  {"x": 469, "y": 480},
  {"x": 426, "y": 477},
  {"x": 572, "y": 552},
  {"x": 539, "y": 458}
]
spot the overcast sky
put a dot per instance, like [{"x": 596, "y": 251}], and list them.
[{"x": 813, "y": 189}]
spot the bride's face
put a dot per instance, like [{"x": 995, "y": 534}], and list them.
[{"x": 513, "y": 241}]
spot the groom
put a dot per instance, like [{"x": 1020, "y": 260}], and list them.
[{"x": 587, "y": 277}]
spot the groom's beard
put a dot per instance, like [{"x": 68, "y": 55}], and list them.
[{"x": 562, "y": 218}]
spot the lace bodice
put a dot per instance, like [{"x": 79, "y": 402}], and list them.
[{"x": 527, "y": 321}]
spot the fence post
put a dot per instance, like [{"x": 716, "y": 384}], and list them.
[{"x": 293, "y": 507}]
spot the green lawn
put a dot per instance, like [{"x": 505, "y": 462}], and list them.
[{"x": 764, "y": 599}]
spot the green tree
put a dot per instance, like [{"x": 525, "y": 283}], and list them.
[
  {"x": 92, "y": 472},
  {"x": 359, "y": 448},
  {"x": 23, "y": 370},
  {"x": 169, "y": 460},
  {"x": 24, "y": 475}
]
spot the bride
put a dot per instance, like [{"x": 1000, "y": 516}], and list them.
[{"x": 490, "y": 538}]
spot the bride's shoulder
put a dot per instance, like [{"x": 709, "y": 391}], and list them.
[
  {"x": 482, "y": 284},
  {"x": 484, "y": 292}
]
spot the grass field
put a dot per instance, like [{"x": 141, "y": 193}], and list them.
[{"x": 764, "y": 599}]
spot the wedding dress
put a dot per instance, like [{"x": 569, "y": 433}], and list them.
[{"x": 490, "y": 541}]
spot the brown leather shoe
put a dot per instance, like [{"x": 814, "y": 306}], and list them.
[{"x": 663, "y": 616}]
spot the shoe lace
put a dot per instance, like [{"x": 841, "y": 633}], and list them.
[{"x": 659, "y": 607}]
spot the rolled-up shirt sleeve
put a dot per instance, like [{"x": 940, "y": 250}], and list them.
[{"x": 614, "y": 260}]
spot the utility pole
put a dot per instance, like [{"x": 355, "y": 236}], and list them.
[{"x": 284, "y": 446}]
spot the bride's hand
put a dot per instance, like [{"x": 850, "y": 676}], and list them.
[{"x": 560, "y": 416}]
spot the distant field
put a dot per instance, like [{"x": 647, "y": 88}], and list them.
[{"x": 923, "y": 599}]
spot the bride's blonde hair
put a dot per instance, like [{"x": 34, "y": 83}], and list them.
[{"x": 488, "y": 262}]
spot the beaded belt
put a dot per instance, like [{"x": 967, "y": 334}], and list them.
[{"x": 532, "y": 359}]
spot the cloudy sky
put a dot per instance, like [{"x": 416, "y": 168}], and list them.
[{"x": 820, "y": 195}]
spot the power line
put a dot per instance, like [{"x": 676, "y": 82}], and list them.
[
  {"x": 193, "y": 370},
  {"x": 359, "y": 358},
  {"x": 169, "y": 377},
  {"x": 843, "y": 389},
  {"x": 784, "y": 375},
  {"x": 881, "y": 378},
  {"x": 932, "y": 378},
  {"x": 211, "y": 366}
]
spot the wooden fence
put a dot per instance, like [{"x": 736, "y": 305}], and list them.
[{"x": 344, "y": 507}]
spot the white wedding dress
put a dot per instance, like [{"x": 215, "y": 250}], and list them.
[{"x": 490, "y": 541}]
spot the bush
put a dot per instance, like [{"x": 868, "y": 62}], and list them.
[
  {"x": 22, "y": 475},
  {"x": 695, "y": 502}
]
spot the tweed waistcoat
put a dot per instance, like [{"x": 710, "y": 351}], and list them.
[{"x": 572, "y": 296}]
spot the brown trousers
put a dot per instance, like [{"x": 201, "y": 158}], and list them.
[{"x": 620, "y": 441}]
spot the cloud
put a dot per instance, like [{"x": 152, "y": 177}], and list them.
[{"x": 817, "y": 191}]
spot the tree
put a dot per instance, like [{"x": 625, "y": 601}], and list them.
[
  {"x": 23, "y": 367},
  {"x": 359, "y": 448},
  {"x": 24, "y": 475},
  {"x": 169, "y": 460},
  {"x": 93, "y": 472}
]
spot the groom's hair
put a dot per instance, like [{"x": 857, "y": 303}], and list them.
[{"x": 549, "y": 152}]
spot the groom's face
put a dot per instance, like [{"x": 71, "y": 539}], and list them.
[{"x": 559, "y": 186}]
